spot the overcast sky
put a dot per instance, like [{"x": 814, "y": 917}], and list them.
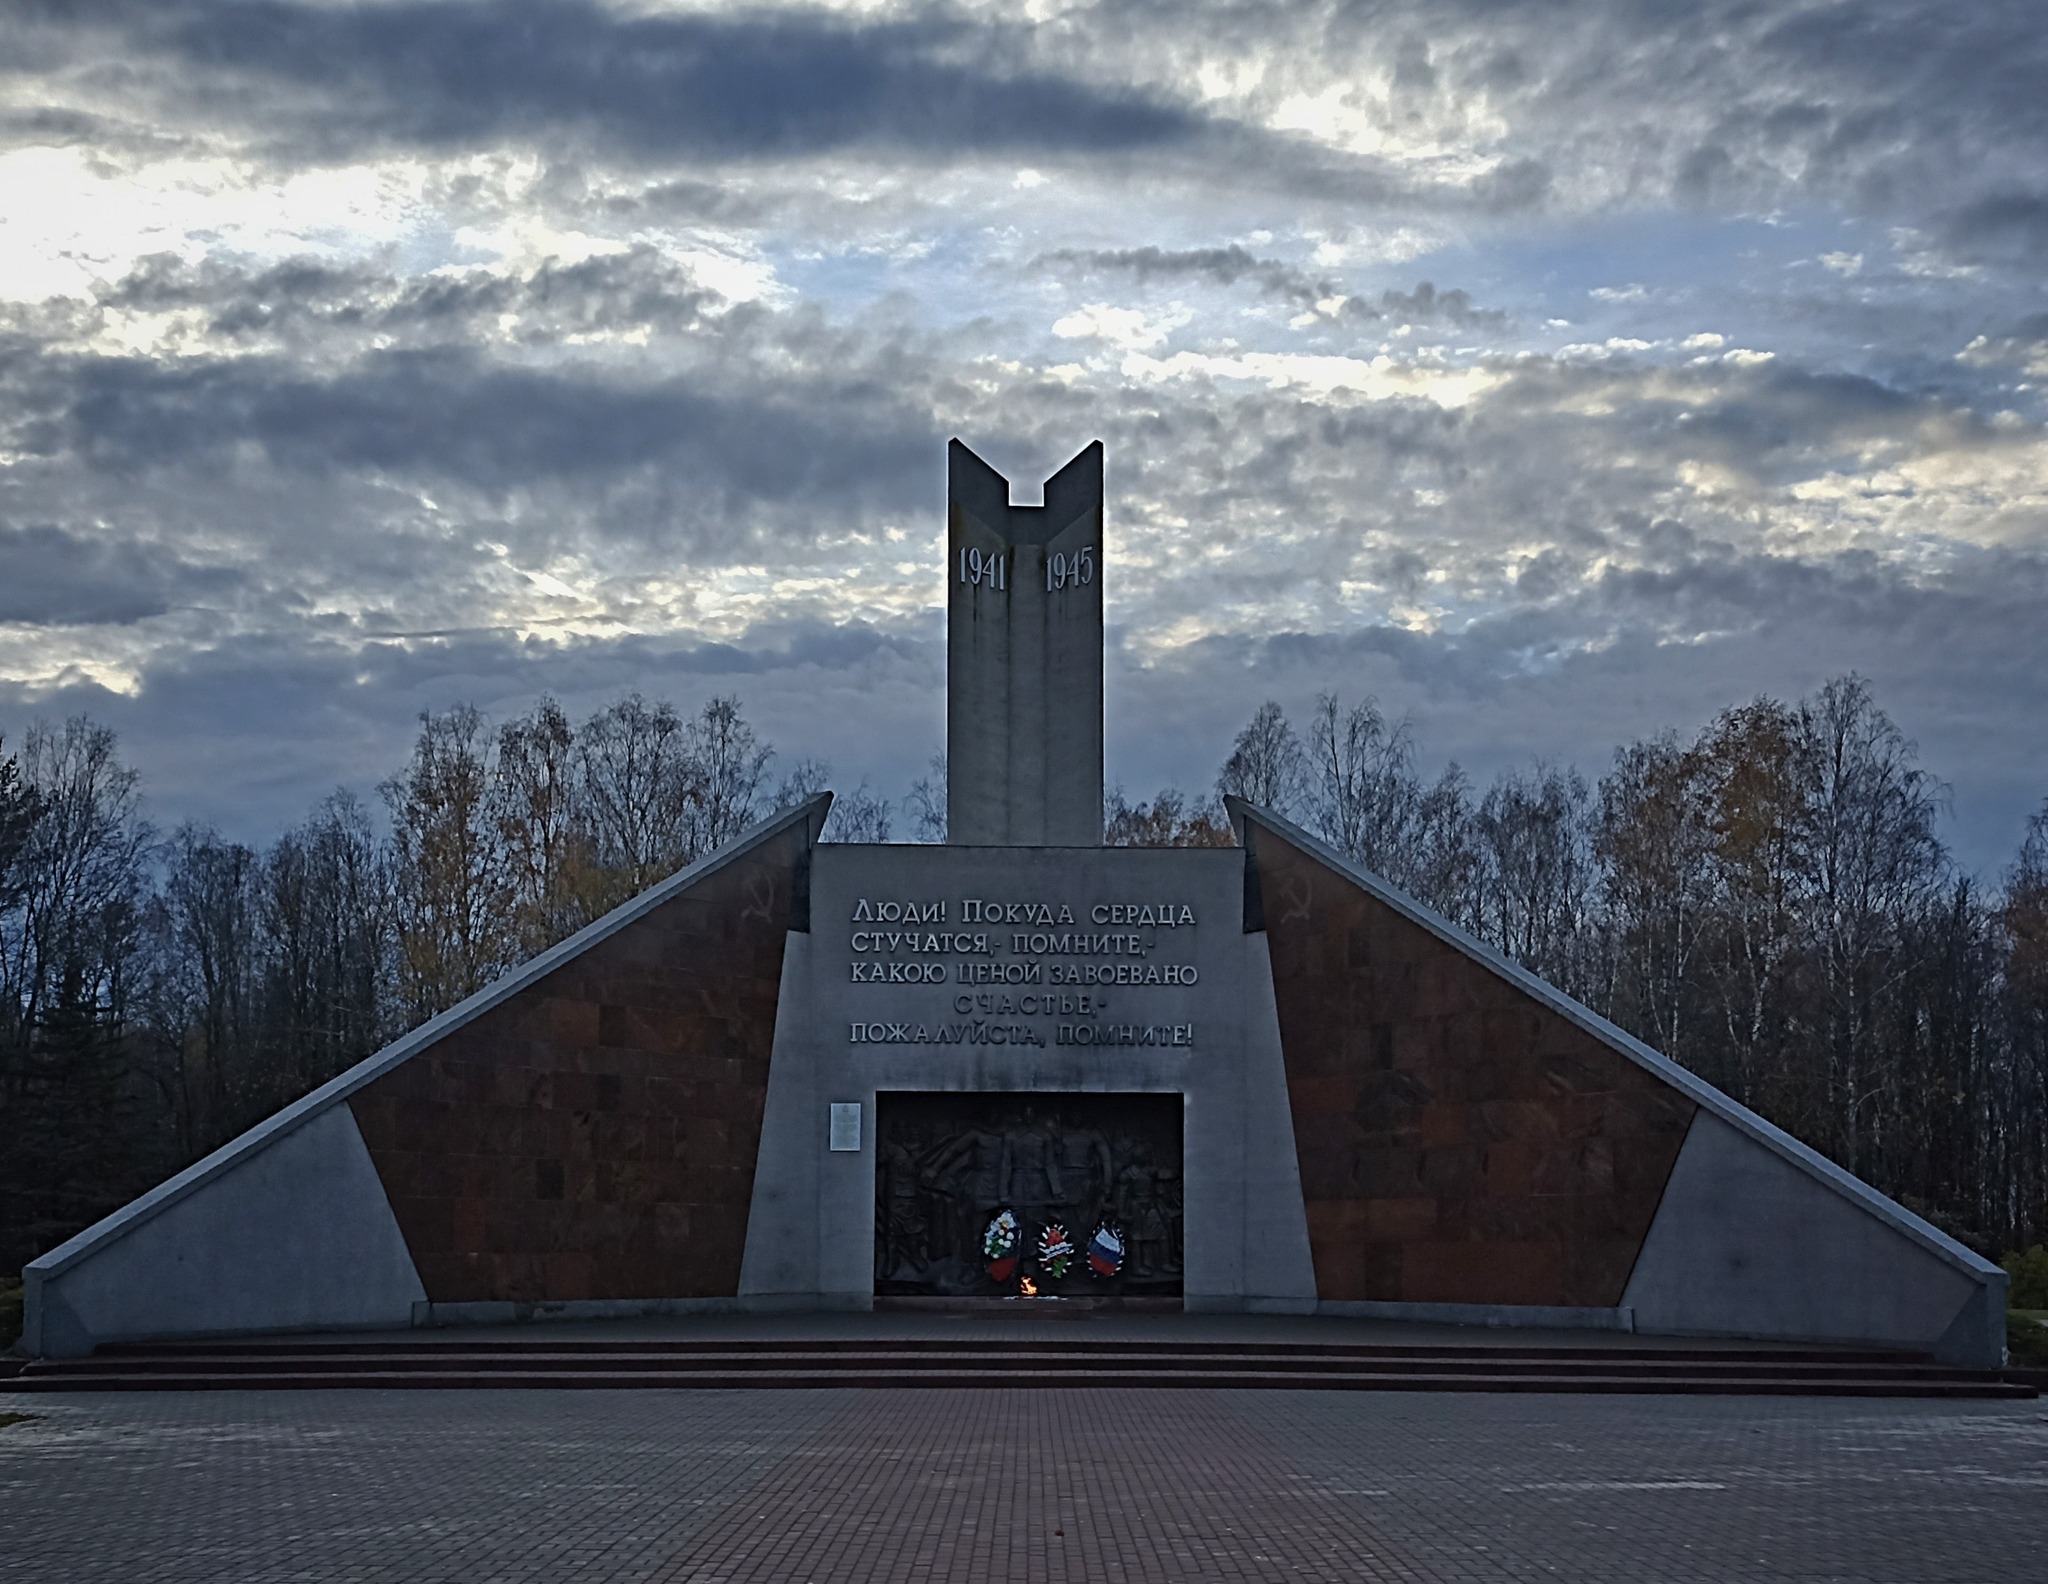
[{"x": 1557, "y": 372}]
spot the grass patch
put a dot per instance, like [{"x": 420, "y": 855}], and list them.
[
  {"x": 2028, "y": 1269},
  {"x": 2026, "y": 1337},
  {"x": 10, "y": 1313},
  {"x": 7, "y": 1419}
]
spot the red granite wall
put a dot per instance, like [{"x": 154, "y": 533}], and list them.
[
  {"x": 595, "y": 1135},
  {"x": 1459, "y": 1141}
]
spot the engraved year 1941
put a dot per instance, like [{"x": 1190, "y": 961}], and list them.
[{"x": 984, "y": 569}]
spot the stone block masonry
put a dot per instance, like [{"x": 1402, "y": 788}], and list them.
[
  {"x": 593, "y": 1136},
  {"x": 1460, "y": 1142}
]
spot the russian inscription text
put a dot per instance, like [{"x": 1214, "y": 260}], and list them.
[{"x": 1063, "y": 944}]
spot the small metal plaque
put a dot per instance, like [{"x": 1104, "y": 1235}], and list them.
[{"x": 845, "y": 1126}]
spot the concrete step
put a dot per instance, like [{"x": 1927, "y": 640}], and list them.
[
  {"x": 1052, "y": 1378},
  {"x": 387, "y": 1344},
  {"x": 1495, "y": 1361},
  {"x": 281, "y": 1363}
]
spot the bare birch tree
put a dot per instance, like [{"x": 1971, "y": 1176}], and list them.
[
  {"x": 640, "y": 782},
  {"x": 1265, "y": 766},
  {"x": 454, "y": 897}
]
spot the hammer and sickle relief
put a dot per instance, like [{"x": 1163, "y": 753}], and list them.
[
  {"x": 1297, "y": 893},
  {"x": 760, "y": 898}
]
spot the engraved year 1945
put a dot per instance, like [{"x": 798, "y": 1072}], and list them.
[{"x": 1069, "y": 571}]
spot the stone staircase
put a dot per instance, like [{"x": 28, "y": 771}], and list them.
[{"x": 416, "y": 1362}]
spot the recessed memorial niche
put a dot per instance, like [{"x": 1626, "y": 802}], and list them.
[{"x": 948, "y": 1164}]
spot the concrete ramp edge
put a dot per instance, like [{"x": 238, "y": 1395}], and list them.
[
  {"x": 52, "y": 1318},
  {"x": 1958, "y": 1296}
]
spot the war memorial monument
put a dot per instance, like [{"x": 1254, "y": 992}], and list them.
[{"x": 802, "y": 1076}]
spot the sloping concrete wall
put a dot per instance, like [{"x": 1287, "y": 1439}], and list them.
[
  {"x": 293, "y": 1236},
  {"x": 1460, "y": 1141},
  {"x": 1278, "y": 1274},
  {"x": 1753, "y": 1233},
  {"x": 594, "y": 1137},
  {"x": 290, "y": 1226},
  {"x": 1746, "y": 1243}
]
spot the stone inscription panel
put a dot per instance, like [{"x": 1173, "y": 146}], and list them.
[
  {"x": 1026, "y": 970},
  {"x": 1073, "y": 955}
]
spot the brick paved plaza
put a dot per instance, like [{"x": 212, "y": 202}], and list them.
[{"x": 1113, "y": 1485}]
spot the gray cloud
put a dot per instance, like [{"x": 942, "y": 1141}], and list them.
[
  {"x": 249, "y": 732},
  {"x": 637, "y": 290},
  {"x": 1674, "y": 647},
  {"x": 289, "y": 499},
  {"x": 472, "y": 72},
  {"x": 1427, "y": 305},
  {"x": 2004, "y": 227},
  {"x": 576, "y": 78},
  {"x": 1304, "y": 289},
  {"x": 1767, "y": 422},
  {"x": 1900, "y": 109},
  {"x": 60, "y": 127},
  {"x": 453, "y": 414},
  {"x": 59, "y": 576},
  {"x": 1220, "y": 266}
]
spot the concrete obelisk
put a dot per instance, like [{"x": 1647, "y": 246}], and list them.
[{"x": 1024, "y": 657}]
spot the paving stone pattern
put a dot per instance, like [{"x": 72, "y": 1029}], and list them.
[
  {"x": 734, "y": 1487},
  {"x": 463, "y": 1487},
  {"x": 1729, "y": 1490}
]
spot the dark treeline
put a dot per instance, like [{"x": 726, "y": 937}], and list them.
[
  {"x": 161, "y": 993},
  {"x": 1769, "y": 902}
]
